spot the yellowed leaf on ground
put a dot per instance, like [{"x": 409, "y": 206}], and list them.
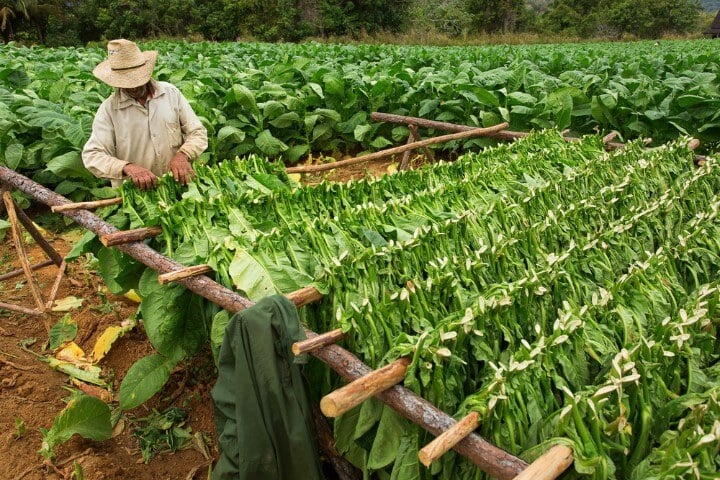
[
  {"x": 66, "y": 304},
  {"x": 295, "y": 177},
  {"x": 108, "y": 337},
  {"x": 133, "y": 296},
  {"x": 105, "y": 341},
  {"x": 392, "y": 168},
  {"x": 72, "y": 353}
]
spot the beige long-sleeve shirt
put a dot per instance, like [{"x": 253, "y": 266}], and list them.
[{"x": 124, "y": 131}]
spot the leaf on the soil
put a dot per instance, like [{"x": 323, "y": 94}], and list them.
[
  {"x": 392, "y": 168},
  {"x": 295, "y": 177},
  {"x": 87, "y": 373},
  {"x": 63, "y": 331},
  {"x": 72, "y": 353},
  {"x": 66, "y": 304},
  {"x": 108, "y": 337},
  {"x": 87, "y": 416}
]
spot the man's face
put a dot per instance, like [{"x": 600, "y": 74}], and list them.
[{"x": 137, "y": 92}]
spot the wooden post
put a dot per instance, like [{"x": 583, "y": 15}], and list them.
[
  {"x": 56, "y": 285},
  {"x": 129, "y": 236},
  {"x": 316, "y": 342},
  {"x": 448, "y": 439},
  {"x": 183, "y": 273},
  {"x": 86, "y": 205},
  {"x": 22, "y": 256},
  {"x": 35, "y": 234},
  {"x": 476, "y": 132},
  {"x": 549, "y": 465},
  {"x": 304, "y": 296},
  {"x": 343, "y": 399}
]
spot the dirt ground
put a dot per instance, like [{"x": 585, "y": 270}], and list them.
[{"x": 32, "y": 394}]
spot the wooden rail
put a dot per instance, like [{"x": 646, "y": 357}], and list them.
[
  {"x": 491, "y": 459},
  {"x": 472, "y": 132}
]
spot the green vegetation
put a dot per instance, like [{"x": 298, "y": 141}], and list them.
[
  {"x": 287, "y": 101},
  {"x": 564, "y": 293},
  {"x": 55, "y": 22}
]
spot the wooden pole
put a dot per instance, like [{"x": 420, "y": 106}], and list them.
[
  {"x": 491, "y": 459},
  {"x": 316, "y": 342},
  {"x": 18, "y": 308},
  {"x": 304, "y": 296},
  {"x": 476, "y": 132},
  {"x": 184, "y": 273},
  {"x": 343, "y": 399},
  {"x": 129, "y": 236},
  {"x": 86, "y": 205},
  {"x": 56, "y": 285},
  {"x": 448, "y": 439},
  {"x": 445, "y": 126},
  {"x": 22, "y": 256},
  {"x": 20, "y": 271},
  {"x": 549, "y": 465},
  {"x": 36, "y": 235}
]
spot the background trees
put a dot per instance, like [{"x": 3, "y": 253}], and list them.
[{"x": 81, "y": 21}]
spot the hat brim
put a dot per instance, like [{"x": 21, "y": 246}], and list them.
[{"x": 130, "y": 78}]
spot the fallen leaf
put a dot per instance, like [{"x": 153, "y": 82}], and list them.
[
  {"x": 66, "y": 304},
  {"x": 133, "y": 296},
  {"x": 392, "y": 168},
  {"x": 295, "y": 177},
  {"x": 105, "y": 341},
  {"x": 72, "y": 353}
]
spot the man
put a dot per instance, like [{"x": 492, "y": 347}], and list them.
[{"x": 145, "y": 128}]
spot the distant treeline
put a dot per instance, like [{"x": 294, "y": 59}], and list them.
[{"x": 59, "y": 22}]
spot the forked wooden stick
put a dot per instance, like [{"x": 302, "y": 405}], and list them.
[
  {"x": 354, "y": 393},
  {"x": 448, "y": 439},
  {"x": 22, "y": 256},
  {"x": 549, "y": 465}
]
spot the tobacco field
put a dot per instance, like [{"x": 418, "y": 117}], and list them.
[{"x": 566, "y": 293}]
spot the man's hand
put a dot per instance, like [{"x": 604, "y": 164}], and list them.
[
  {"x": 181, "y": 169},
  {"x": 143, "y": 178}
]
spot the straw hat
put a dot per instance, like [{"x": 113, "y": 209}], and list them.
[{"x": 126, "y": 66}]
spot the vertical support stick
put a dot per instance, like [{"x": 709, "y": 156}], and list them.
[
  {"x": 17, "y": 238},
  {"x": 56, "y": 285}
]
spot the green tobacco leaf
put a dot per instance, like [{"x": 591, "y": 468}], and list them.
[
  {"x": 13, "y": 155},
  {"x": 86, "y": 416},
  {"x": 387, "y": 439},
  {"x": 268, "y": 144},
  {"x": 69, "y": 165},
  {"x": 257, "y": 277},
  {"x": 173, "y": 316},
  {"x": 407, "y": 465},
  {"x": 63, "y": 331},
  {"x": 119, "y": 271},
  {"x": 145, "y": 378}
]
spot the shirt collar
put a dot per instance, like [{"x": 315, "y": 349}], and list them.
[{"x": 123, "y": 100}]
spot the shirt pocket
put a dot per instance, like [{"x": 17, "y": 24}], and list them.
[{"x": 174, "y": 134}]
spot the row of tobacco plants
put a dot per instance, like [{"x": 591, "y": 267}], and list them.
[
  {"x": 565, "y": 293},
  {"x": 289, "y": 101}
]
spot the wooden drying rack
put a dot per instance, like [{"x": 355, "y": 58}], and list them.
[{"x": 364, "y": 382}]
